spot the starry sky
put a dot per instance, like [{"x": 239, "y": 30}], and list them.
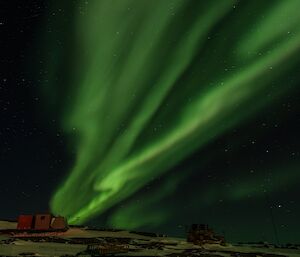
[{"x": 152, "y": 115}]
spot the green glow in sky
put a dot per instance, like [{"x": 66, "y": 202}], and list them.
[{"x": 155, "y": 80}]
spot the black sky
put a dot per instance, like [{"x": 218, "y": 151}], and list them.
[
  {"x": 34, "y": 155},
  {"x": 31, "y": 145}
]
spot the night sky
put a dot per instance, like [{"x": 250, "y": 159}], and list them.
[{"x": 152, "y": 115}]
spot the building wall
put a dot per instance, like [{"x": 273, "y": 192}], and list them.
[
  {"x": 58, "y": 223},
  {"x": 25, "y": 222},
  {"x": 42, "y": 221}
]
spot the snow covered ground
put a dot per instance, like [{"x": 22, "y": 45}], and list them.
[{"x": 76, "y": 239}]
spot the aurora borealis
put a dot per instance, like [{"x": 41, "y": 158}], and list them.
[
  {"x": 149, "y": 88},
  {"x": 160, "y": 103}
]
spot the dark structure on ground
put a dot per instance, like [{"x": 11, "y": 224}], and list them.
[
  {"x": 41, "y": 222},
  {"x": 201, "y": 234},
  {"x": 104, "y": 249}
]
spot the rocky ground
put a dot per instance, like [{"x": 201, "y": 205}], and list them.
[{"x": 76, "y": 239}]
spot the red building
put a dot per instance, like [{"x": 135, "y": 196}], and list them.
[
  {"x": 58, "y": 223},
  {"x": 25, "y": 222},
  {"x": 42, "y": 221}
]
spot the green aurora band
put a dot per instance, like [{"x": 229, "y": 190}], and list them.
[{"x": 153, "y": 81}]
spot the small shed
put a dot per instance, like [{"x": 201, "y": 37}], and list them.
[
  {"x": 42, "y": 221},
  {"x": 25, "y": 222},
  {"x": 59, "y": 223}
]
